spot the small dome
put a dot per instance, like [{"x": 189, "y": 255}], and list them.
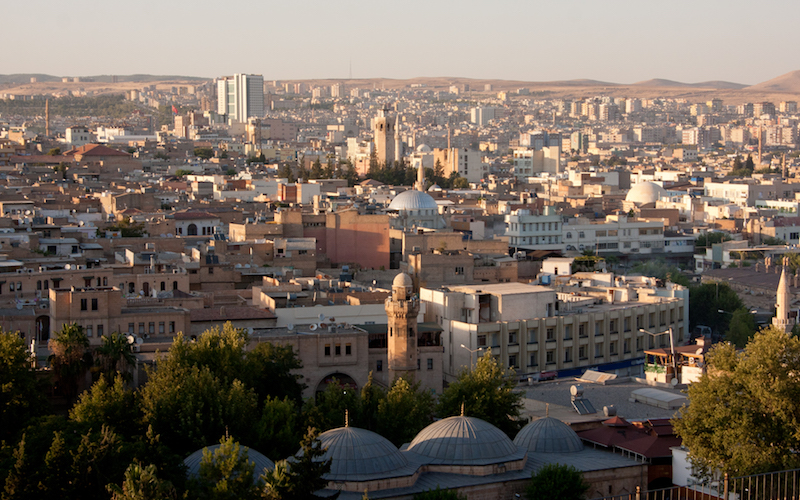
[
  {"x": 645, "y": 193},
  {"x": 413, "y": 200},
  {"x": 359, "y": 454},
  {"x": 261, "y": 462},
  {"x": 423, "y": 148},
  {"x": 548, "y": 435},
  {"x": 463, "y": 441},
  {"x": 402, "y": 279}
]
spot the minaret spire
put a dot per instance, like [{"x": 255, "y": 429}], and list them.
[{"x": 783, "y": 303}]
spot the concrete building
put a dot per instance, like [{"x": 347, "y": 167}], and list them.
[
  {"x": 78, "y": 136},
  {"x": 583, "y": 320},
  {"x": 463, "y": 161},
  {"x": 240, "y": 97}
]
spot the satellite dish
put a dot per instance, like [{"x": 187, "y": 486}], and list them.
[
  {"x": 139, "y": 340},
  {"x": 674, "y": 382},
  {"x": 313, "y": 328},
  {"x": 250, "y": 330},
  {"x": 131, "y": 340},
  {"x": 321, "y": 317},
  {"x": 19, "y": 306},
  {"x": 290, "y": 326}
]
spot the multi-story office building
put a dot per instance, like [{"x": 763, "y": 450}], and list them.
[
  {"x": 539, "y": 231},
  {"x": 585, "y": 320},
  {"x": 240, "y": 97}
]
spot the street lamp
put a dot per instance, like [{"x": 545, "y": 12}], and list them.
[
  {"x": 471, "y": 352},
  {"x": 671, "y": 347}
]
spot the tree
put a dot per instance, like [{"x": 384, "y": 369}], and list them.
[
  {"x": 706, "y": 240},
  {"x": 142, "y": 483},
  {"x": 221, "y": 351},
  {"x": 661, "y": 270},
  {"x": 487, "y": 392},
  {"x": 404, "y": 412},
  {"x": 744, "y": 412},
  {"x": 707, "y": 300},
  {"x": 114, "y": 356},
  {"x": 556, "y": 482},
  {"x": 204, "y": 153},
  {"x": 742, "y": 328},
  {"x": 21, "y": 395},
  {"x": 278, "y": 430},
  {"x": 300, "y": 478},
  {"x": 272, "y": 370},
  {"x": 110, "y": 404},
  {"x": 226, "y": 473},
  {"x": 69, "y": 358},
  {"x": 287, "y": 172},
  {"x": 182, "y": 172}
]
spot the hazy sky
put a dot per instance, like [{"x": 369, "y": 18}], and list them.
[{"x": 620, "y": 41}]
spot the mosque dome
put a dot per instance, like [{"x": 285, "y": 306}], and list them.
[
  {"x": 645, "y": 193},
  {"x": 423, "y": 148},
  {"x": 464, "y": 441},
  {"x": 402, "y": 279},
  {"x": 413, "y": 200},
  {"x": 548, "y": 435},
  {"x": 360, "y": 455},
  {"x": 261, "y": 462}
]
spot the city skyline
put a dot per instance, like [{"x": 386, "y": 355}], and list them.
[{"x": 632, "y": 41}]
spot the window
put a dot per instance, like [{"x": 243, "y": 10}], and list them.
[
  {"x": 210, "y": 270},
  {"x": 598, "y": 328},
  {"x": 533, "y": 360},
  {"x": 105, "y": 281},
  {"x": 163, "y": 286},
  {"x": 512, "y": 361},
  {"x": 131, "y": 288},
  {"x": 533, "y": 335},
  {"x": 131, "y": 328},
  {"x": 141, "y": 328},
  {"x": 626, "y": 346},
  {"x": 612, "y": 348},
  {"x": 582, "y": 352},
  {"x": 567, "y": 332},
  {"x": 348, "y": 350},
  {"x": 581, "y": 235},
  {"x": 39, "y": 285},
  {"x": 94, "y": 304},
  {"x": 151, "y": 327},
  {"x": 161, "y": 327},
  {"x": 612, "y": 326},
  {"x": 459, "y": 270},
  {"x": 84, "y": 304},
  {"x": 338, "y": 350},
  {"x": 512, "y": 337},
  {"x": 430, "y": 363},
  {"x": 598, "y": 350},
  {"x": 582, "y": 330},
  {"x": 171, "y": 327},
  {"x": 379, "y": 365},
  {"x": 481, "y": 340},
  {"x": 551, "y": 334},
  {"x": 99, "y": 330},
  {"x": 419, "y": 363},
  {"x": 627, "y": 324},
  {"x": 550, "y": 357},
  {"x": 88, "y": 330},
  {"x": 568, "y": 355}
]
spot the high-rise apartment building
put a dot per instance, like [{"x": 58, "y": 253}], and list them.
[{"x": 240, "y": 97}]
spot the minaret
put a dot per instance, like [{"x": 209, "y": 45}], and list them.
[
  {"x": 47, "y": 117},
  {"x": 782, "y": 321},
  {"x": 383, "y": 137},
  {"x": 402, "y": 309},
  {"x": 420, "y": 185}
]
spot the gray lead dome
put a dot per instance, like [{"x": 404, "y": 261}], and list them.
[
  {"x": 413, "y": 200},
  {"x": 463, "y": 441},
  {"x": 548, "y": 435},
  {"x": 359, "y": 454}
]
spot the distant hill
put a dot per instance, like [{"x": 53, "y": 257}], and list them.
[
  {"x": 23, "y": 78},
  {"x": 662, "y": 83},
  {"x": 788, "y": 83}
]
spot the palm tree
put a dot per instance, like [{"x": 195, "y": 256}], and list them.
[
  {"x": 115, "y": 356},
  {"x": 69, "y": 358}
]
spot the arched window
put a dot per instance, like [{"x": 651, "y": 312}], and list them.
[
  {"x": 163, "y": 286},
  {"x": 192, "y": 230},
  {"x": 174, "y": 285},
  {"x": 131, "y": 288},
  {"x": 39, "y": 285}
]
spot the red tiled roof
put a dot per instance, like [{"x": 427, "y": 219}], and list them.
[{"x": 95, "y": 150}]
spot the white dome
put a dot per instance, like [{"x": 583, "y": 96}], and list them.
[
  {"x": 548, "y": 435},
  {"x": 645, "y": 193},
  {"x": 423, "y": 148},
  {"x": 413, "y": 200},
  {"x": 359, "y": 454},
  {"x": 463, "y": 440}
]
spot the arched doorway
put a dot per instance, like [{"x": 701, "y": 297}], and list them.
[
  {"x": 192, "y": 230},
  {"x": 345, "y": 380},
  {"x": 146, "y": 289},
  {"x": 43, "y": 328}
]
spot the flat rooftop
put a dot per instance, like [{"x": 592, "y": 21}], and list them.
[{"x": 502, "y": 288}]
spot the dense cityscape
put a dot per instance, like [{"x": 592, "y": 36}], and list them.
[{"x": 380, "y": 288}]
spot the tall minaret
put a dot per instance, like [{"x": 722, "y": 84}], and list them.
[
  {"x": 782, "y": 321},
  {"x": 402, "y": 309},
  {"x": 420, "y": 185}
]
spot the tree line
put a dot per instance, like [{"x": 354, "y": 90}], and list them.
[{"x": 116, "y": 440}]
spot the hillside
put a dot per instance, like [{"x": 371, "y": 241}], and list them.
[{"x": 788, "y": 83}]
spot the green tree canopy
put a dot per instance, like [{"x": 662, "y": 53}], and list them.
[
  {"x": 556, "y": 482},
  {"x": 705, "y": 302},
  {"x": 111, "y": 404},
  {"x": 300, "y": 478},
  {"x": 227, "y": 473},
  {"x": 21, "y": 395},
  {"x": 742, "y": 328},
  {"x": 114, "y": 356},
  {"x": 439, "y": 494},
  {"x": 69, "y": 358},
  {"x": 487, "y": 392},
  {"x": 404, "y": 412},
  {"x": 142, "y": 483},
  {"x": 744, "y": 413}
]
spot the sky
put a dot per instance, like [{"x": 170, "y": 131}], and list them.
[{"x": 620, "y": 41}]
